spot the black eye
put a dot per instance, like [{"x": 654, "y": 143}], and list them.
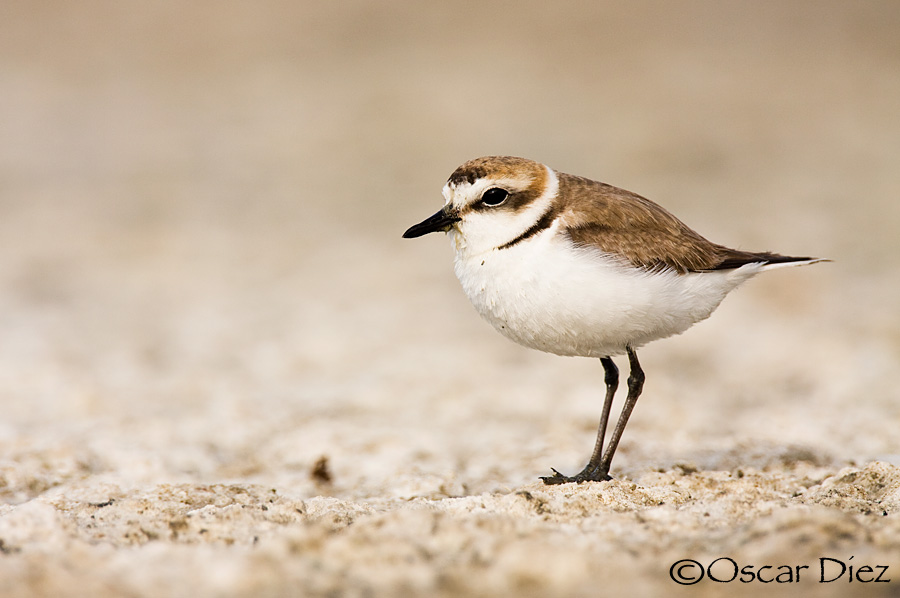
[{"x": 494, "y": 197}]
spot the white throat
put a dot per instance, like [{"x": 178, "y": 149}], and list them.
[{"x": 479, "y": 233}]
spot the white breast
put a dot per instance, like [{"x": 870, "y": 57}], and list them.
[{"x": 546, "y": 294}]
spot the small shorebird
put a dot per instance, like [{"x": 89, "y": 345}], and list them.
[{"x": 572, "y": 266}]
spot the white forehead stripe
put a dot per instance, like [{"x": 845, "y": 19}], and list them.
[{"x": 461, "y": 194}]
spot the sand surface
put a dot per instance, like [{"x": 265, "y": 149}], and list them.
[{"x": 223, "y": 372}]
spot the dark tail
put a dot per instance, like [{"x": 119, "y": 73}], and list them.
[{"x": 736, "y": 259}]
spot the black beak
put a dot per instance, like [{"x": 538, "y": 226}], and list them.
[{"x": 442, "y": 221}]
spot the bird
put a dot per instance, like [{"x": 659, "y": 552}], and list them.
[{"x": 575, "y": 267}]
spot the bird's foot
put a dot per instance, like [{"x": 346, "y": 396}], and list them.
[{"x": 588, "y": 474}]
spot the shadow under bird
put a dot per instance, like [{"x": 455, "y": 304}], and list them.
[{"x": 572, "y": 266}]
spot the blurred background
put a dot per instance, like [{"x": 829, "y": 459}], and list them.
[{"x": 201, "y": 269}]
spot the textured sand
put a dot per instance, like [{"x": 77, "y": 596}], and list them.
[{"x": 223, "y": 373}]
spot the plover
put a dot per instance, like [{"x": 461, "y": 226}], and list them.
[{"x": 572, "y": 266}]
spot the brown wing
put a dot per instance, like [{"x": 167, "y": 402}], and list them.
[{"x": 617, "y": 221}]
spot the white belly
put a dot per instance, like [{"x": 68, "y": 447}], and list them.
[{"x": 548, "y": 295}]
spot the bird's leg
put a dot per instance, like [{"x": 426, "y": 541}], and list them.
[
  {"x": 635, "y": 385},
  {"x": 612, "y": 383},
  {"x": 598, "y": 467}
]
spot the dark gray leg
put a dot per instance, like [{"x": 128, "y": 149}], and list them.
[
  {"x": 612, "y": 384},
  {"x": 635, "y": 385},
  {"x": 597, "y": 469}
]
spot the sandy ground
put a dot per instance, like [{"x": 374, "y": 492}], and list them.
[{"x": 223, "y": 373}]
